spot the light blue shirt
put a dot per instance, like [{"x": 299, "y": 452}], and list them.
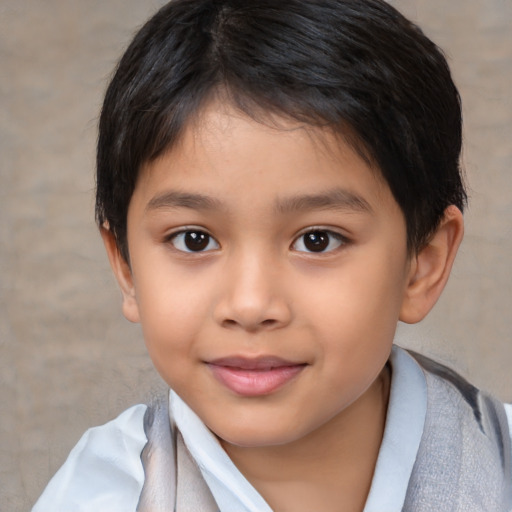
[{"x": 104, "y": 472}]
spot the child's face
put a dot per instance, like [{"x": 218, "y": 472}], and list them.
[{"x": 268, "y": 270}]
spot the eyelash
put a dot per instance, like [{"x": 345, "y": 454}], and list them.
[
  {"x": 320, "y": 238},
  {"x": 203, "y": 239}
]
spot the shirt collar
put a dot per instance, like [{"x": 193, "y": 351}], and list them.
[
  {"x": 231, "y": 490},
  {"x": 402, "y": 435}
]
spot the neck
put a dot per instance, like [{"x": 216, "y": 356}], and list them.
[{"x": 330, "y": 469}]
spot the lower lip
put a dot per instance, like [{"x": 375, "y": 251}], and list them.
[{"x": 255, "y": 382}]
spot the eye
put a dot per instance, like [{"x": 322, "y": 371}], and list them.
[
  {"x": 318, "y": 240},
  {"x": 193, "y": 240}
]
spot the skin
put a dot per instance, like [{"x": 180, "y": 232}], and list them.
[{"x": 257, "y": 289}]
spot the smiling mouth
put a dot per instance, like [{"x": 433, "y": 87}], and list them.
[{"x": 254, "y": 377}]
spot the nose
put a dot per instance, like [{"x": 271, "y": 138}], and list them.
[{"x": 253, "y": 295}]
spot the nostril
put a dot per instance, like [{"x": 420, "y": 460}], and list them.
[{"x": 229, "y": 323}]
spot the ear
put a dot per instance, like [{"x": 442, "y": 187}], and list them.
[
  {"x": 431, "y": 267},
  {"x": 123, "y": 275}
]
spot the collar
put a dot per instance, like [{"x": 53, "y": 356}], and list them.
[
  {"x": 231, "y": 490},
  {"x": 400, "y": 443},
  {"x": 402, "y": 435}
]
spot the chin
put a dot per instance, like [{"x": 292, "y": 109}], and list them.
[{"x": 259, "y": 437}]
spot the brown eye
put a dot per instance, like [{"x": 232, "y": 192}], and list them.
[
  {"x": 194, "y": 241},
  {"x": 318, "y": 240}
]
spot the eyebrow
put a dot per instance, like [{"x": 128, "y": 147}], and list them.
[
  {"x": 176, "y": 199},
  {"x": 337, "y": 199}
]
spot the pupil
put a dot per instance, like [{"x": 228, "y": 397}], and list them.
[
  {"x": 196, "y": 241},
  {"x": 316, "y": 241}
]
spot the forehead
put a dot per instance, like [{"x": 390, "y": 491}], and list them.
[{"x": 222, "y": 151}]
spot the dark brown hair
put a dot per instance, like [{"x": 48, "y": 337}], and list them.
[{"x": 357, "y": 66}]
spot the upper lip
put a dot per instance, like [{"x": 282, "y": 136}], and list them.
[{"x": 253, "y": 363}]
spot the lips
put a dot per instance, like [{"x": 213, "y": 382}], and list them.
[{"x": 254, "y": 377}]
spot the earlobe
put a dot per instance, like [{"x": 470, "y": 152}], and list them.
[
  {"x": 430, "y": 268},
  {"x": 123, "y": 274}
]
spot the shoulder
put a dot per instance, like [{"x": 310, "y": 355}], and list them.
[
  {"x": 465, "y": 428},
  {"x": 104, "y": 471},
  {"x": 447, "y": 390}
]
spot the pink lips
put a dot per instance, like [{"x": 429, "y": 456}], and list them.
[{"x": 254, "y": 377}]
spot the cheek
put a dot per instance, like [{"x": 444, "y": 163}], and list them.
[
  {"x": 357, "y": 309},
  {"x": 362, "y": 297},
  {"x": 172, "y": 312}
]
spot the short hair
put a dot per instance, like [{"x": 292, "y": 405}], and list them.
[{"x": 356, "y": 66}]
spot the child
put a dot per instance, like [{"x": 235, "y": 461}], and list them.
[{"x": 278, "y": 184}]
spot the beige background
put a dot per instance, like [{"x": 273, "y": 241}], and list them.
[{"x": 68, "y": 359}]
